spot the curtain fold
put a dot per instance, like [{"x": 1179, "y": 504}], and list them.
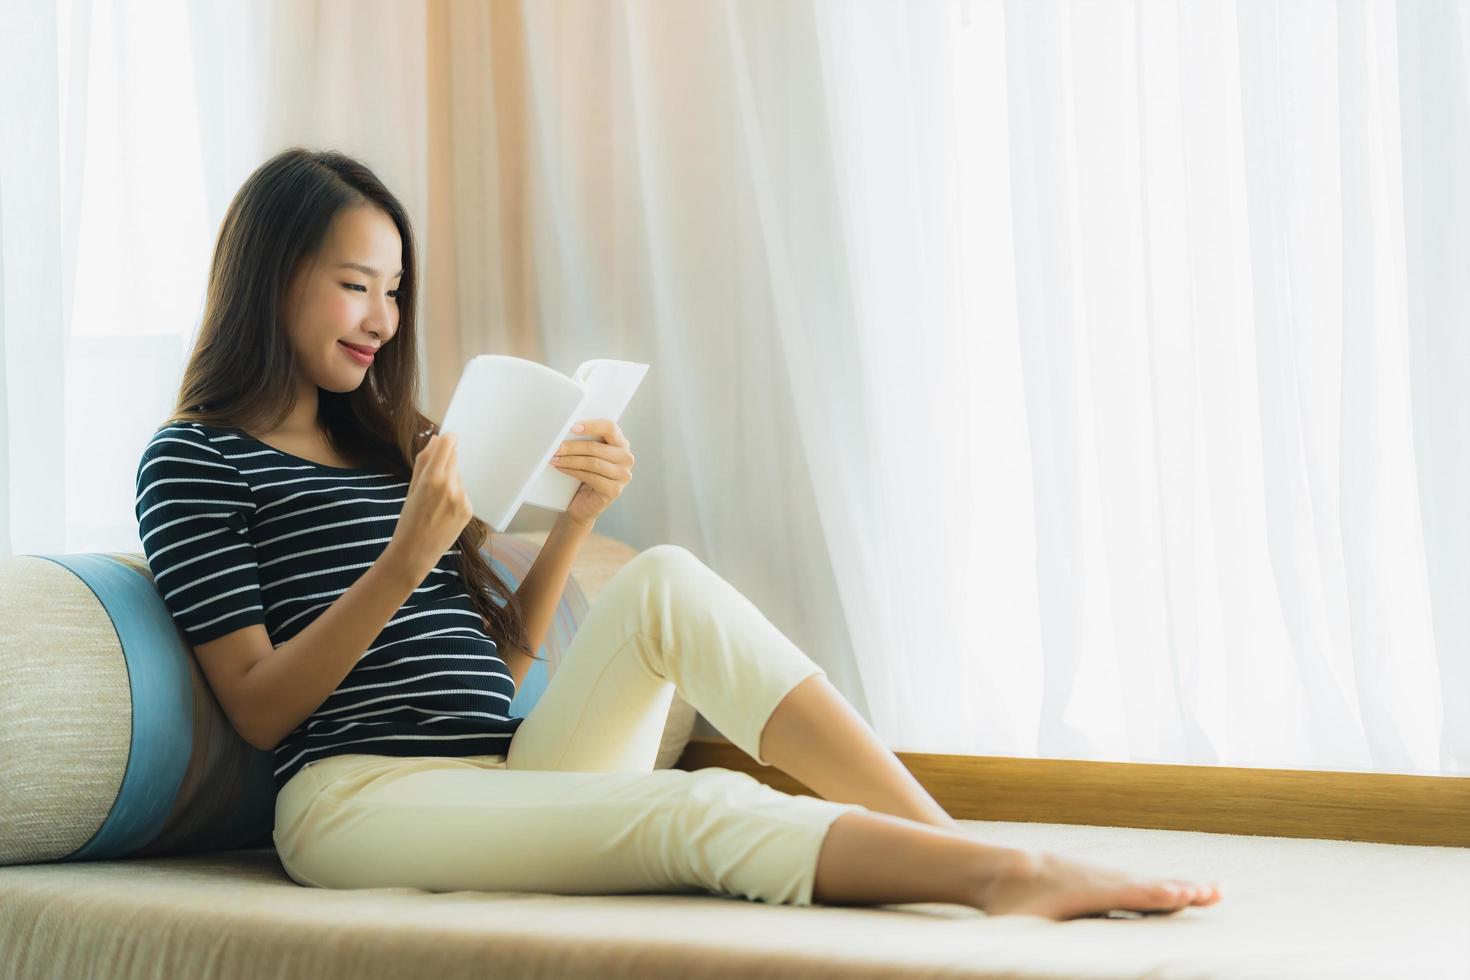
[
  {"x": 33, "y": 268},
  {"x": 1433, "y": 56}
]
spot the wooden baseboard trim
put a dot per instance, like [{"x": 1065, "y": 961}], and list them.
[{"x": 1364, "y": 806}]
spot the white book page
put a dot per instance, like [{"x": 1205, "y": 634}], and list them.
[
  {"x": 509, "y": 414},
  {"x": 610, "y": 386}
]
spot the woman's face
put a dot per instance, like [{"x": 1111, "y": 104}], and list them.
[{"x": 331, "y": 303}]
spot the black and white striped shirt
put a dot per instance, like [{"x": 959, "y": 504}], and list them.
[{"x": 237, "y": 533}]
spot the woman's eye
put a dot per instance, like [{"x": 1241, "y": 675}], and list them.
[{"x": 353, "y": 285}]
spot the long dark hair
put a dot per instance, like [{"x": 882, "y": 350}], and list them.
[{"x": 242, "y": 372}]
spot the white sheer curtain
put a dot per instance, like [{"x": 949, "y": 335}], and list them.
[
  {"x": 1182, "y": 380},
  {"x": 1194, "y": 362},
  {"x": 1074, "y": 379},
  {"x": 128, "y": 128}
]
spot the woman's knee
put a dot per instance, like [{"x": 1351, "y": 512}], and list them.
[
  {"x": 666, "y": 555},
  {"x": 668, "y": 561},
  {"x": 714, "y": 791}
]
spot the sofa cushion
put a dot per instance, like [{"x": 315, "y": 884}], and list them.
[
  {"x": 112, "y": 743},
  {"x": 1291, "y": 910}
]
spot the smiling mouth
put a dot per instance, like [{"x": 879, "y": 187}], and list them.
[{"x": 361, "y": 356}]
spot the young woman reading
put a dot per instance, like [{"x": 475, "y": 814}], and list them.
[{"x": 307, "y": 528}]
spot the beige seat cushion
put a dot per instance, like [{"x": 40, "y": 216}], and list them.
[{"x": 1292, "y": 909}]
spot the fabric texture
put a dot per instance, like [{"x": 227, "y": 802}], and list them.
[{"x": 576, "y": 806}]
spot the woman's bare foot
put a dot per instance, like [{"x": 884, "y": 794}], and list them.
[{"x": 1053, "y": 887}]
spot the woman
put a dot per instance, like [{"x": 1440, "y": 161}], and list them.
[{"x": 307, "y": 528}]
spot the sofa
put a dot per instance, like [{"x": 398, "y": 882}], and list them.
[{"x": 135, "y": 843}]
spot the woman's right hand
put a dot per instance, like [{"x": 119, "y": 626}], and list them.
[{"x": 436, "y": 508}]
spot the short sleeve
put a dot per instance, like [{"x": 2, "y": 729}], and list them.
[{"x": 193, "y": 511}]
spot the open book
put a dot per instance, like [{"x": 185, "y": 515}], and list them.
[{"x": 510, "y": 415}]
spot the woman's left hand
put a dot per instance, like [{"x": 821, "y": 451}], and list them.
[{"x": 604, "y": 465}]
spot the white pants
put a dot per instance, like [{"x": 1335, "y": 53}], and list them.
[{"x": 576, "y": 807}]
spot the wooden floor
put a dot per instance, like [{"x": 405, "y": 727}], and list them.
[{"x": 1335, "y": 805}]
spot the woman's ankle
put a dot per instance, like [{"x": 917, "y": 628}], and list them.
[{"x": 998, "y": 866}]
